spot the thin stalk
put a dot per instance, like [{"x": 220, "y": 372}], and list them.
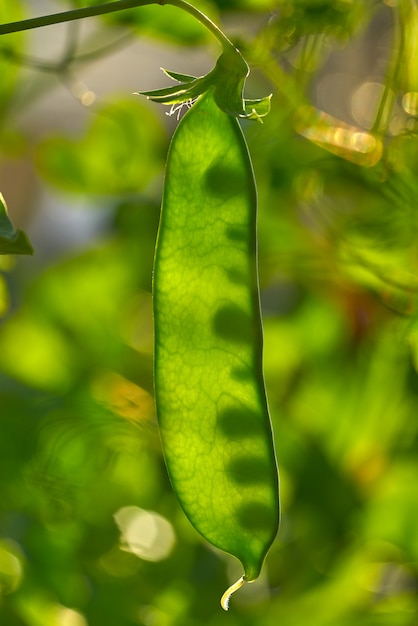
[
  {"x": 386, "y": 101},
  {"x": 387, "y": 98},
  {"x": 203, "y": 19},
  {"x": 74, "y": 14},
  {"x": 112, "y": 7}
]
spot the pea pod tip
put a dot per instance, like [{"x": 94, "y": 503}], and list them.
[{"x": 228, "y": 593}]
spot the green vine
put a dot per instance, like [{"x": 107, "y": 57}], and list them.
[{"x": 112, "y": 7}]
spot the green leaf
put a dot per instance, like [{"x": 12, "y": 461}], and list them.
[
  {"x": 11, "y": 241},
  {"x": 227, "y": 79},
  {"x": 178, "y": 93},
  {"x": 229, "y": 76},
  {"x": 180, "y": 78},
  {"x": 257, "y": 109},
  {"x": 211, "y": 401}
]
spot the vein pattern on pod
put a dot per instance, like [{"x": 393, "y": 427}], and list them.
[{"x": 211, "y": 402}]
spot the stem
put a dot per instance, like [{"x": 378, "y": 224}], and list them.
[
  {"x": 387, "y": 98},
  {"x": 203, "y": 19},
  {"x": 112, "y": 7},
  {"x": 74, "y": 14},
  {"x": 228, "y": 593}
]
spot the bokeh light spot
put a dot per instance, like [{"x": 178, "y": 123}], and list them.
[
  {"x": 146, "y": 534},
  {"x": 349, "y": 142},
  {"x": 69, "y": 617},
  {"x": 123, "y": 397},
  {"x": 410, "y": 103},
  {"x": 11, "y": 570}
]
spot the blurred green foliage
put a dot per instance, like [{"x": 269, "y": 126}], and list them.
[
  {"x": 79, "y": 444},
  {"x": 136, "y": 156}
]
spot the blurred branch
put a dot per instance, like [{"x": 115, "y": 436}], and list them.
[
  {"x": 72, "y": 40},
  {"x": 92, "y": 55},
  {"x": 67, "y": 59}
]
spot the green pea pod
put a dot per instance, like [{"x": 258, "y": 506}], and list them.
[{"x": 211, "y": 402}]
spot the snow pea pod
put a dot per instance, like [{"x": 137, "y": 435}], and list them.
[{"x": 210, "y": 395}]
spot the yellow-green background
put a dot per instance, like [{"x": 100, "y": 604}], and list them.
[{"x": 338, "y": 265}]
